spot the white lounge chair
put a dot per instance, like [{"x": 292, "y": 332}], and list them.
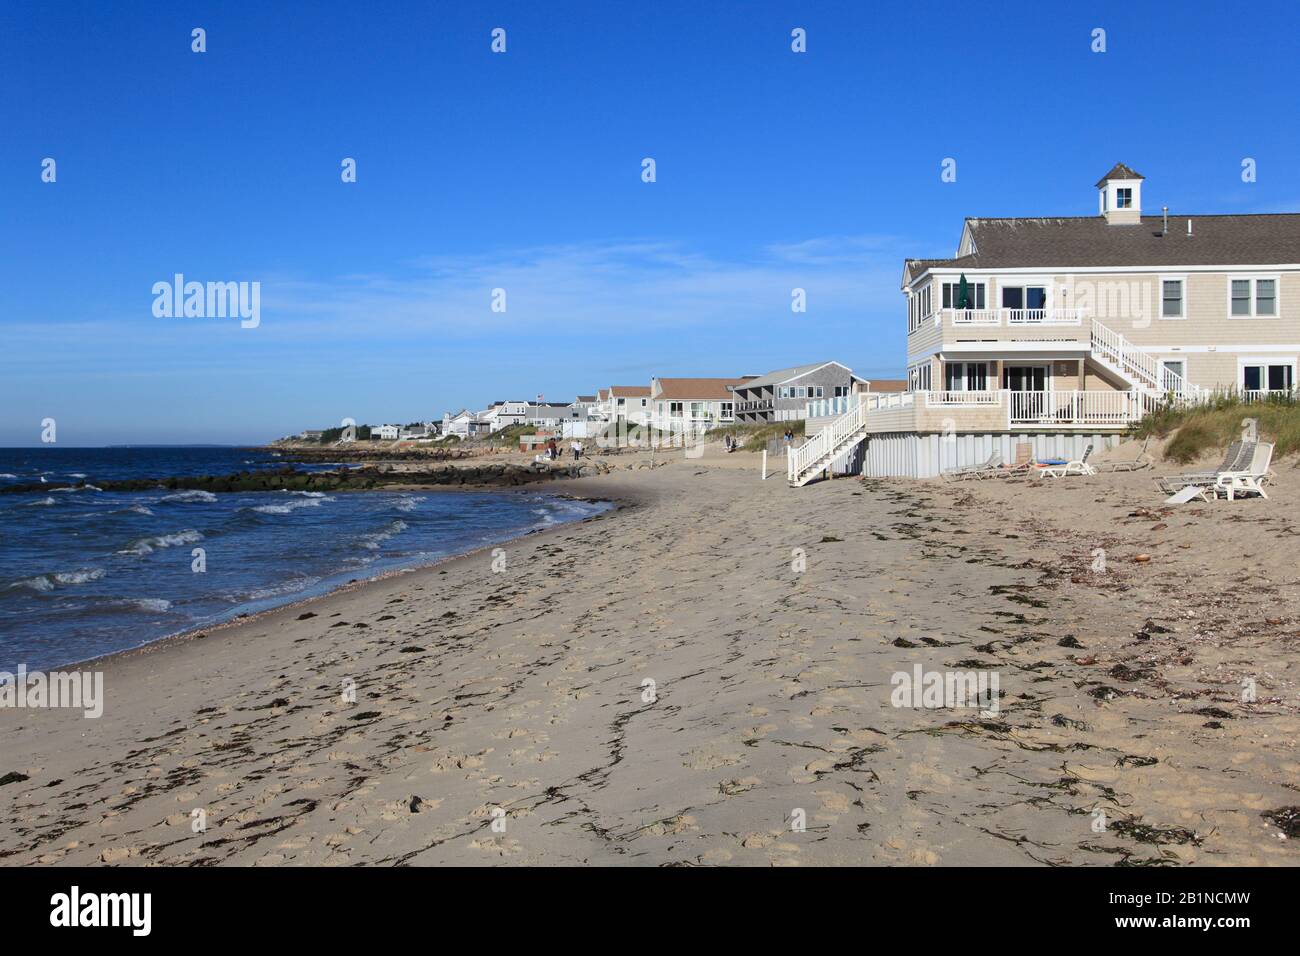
[
  {"x": 1132, "y": 464},
  {"x": 1080, "y": 467},
  {"x": 988, "y": 468},
  {"x": 1236, "y": 458},
  {"x": 1249, "y": 481}
]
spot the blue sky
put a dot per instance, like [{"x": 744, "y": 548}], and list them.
[{"x": 523, "y": 171}]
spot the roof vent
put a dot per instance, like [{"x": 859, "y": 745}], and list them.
[
  {"x": 1164, "y": 231},
  {"x": 1189, "y": 229}
]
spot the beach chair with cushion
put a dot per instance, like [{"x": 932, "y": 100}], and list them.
[
  {"x": 1132, "y": 464},
  {"x": 1236, "y": 458},
  {"x": 1079, "y": 467},
  {"x": 1251, "y": 479},
  {"x": 1024, "y": 465},
  {"x": 984, "y": 470}
]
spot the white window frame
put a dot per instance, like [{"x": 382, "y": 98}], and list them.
[
  {"x": 1253, "y": 278},
  {"x": 1182, "y": 296},
  {"x": 978, "y": 289},
  {"x": 1178, "y": 360},
  {"x": 1264, "y": 361},
  {"x": 1024, "y": 284}
]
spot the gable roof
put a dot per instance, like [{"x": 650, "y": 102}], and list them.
[
  {"x": 696, "y": 389},
  {"x": 1119, "y": 171},
  {"x": 783, "y": 375},
  {"x": 584, "y": 398},
  {"x": 630, "y": 391},
  {"x": 1090, "y": 241}
]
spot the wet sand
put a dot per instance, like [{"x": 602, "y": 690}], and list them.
[{"x": 519, "y": 696}]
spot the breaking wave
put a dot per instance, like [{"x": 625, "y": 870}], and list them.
[
  {"x": 182, "y": 497},
  {"x": 149, "y": 545}
]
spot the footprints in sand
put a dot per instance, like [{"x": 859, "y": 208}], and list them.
[{"x": 771, "y": 697}]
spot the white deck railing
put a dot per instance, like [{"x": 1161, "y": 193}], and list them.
[
  {"x": 959, "y": 397},
  {"x": 1074, "y": 407},
  {"x": 890, "y": 400},
  {"x": 1063, "y": 407},
  {"x": 1012, "y": 318}
]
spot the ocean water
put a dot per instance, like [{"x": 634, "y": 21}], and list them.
[{"x": 89, "y": 572}]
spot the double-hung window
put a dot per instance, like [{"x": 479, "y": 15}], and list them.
[
  {"x": 1252, "y": 298},
  {"x": 1171, "y": 299}
]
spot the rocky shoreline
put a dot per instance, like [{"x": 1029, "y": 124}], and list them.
[{"x": 367, "y": 478}]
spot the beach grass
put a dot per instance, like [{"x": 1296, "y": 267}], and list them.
[
  {"x": 755, "y": 437},
  {"x": 1201, "y": 429}
]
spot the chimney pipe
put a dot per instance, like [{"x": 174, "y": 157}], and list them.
[
  {"x": 1165, "y": 230},
  {"x": 1189, "y": 229}
]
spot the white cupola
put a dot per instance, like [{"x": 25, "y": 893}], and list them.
[{"x": 1119, "y": 196}]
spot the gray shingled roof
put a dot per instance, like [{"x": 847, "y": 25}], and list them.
[
  {"x": 1235, "y": 240},
  {"x": 779, "y": 376},
  {"x": 1119, "y": 171}
]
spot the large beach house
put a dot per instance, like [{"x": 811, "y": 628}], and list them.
[{"x": 1063, "y": 331}]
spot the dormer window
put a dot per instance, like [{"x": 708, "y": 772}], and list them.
[{"x": 1124, "y": 198}]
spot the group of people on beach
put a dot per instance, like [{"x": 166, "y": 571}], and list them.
[{"x": 553, "y": 452}]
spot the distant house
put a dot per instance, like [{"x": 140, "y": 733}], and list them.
[
  {"x": 783, "y": 395},
  {"x": 697, "y": 403},
  {"x": 504, "y": 414},
  {"x": 465, "y": 424},
  {"x": 629, "y": 402},
  {"x": 548, "y": 414},
  {"x": 387, "y": 432},
  {"x": 418, "y": 432},
  {"x": 311, "y": 434}
]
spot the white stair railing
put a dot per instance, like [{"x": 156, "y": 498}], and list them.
[
  {"x": 1140, "y": 366},
  {"x": 827, "y": 442}
]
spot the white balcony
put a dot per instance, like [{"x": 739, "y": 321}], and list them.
[
  {"x": 1073, "y": 407},
  {"x": 996, "y": 409},
  {"x": 1011, "y": 318}
]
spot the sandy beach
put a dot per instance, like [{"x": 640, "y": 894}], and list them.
[{"x": 770, "y": 621}]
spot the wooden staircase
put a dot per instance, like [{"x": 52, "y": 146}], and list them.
[{"x": 806, "y": 462}]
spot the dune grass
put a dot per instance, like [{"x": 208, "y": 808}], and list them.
[
  {"x": 756, "y": 437},
  {"x": 1200, "y": 429}
]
